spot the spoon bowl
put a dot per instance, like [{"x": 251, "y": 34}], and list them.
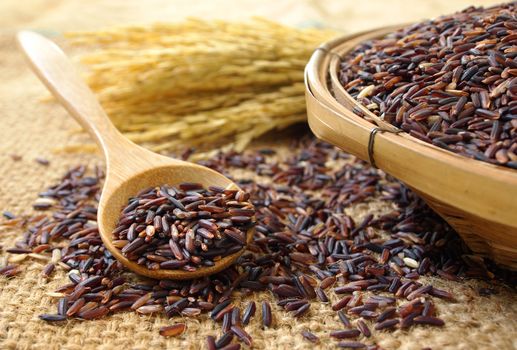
[
  {"x": 130, "y": 168},
  {"x": 171, "y": 172}
]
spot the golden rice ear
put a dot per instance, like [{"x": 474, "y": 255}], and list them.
[{"x": 199, "y": 83}]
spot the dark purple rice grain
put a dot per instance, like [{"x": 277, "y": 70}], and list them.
[
  {"x": 302, "y": 310},
  {"x": 62, "y": 306},
  {"x": 249, "y": 312},
  {"x": 266, "y": 314},
  {"x": 285, "y": 290},
  {"x": 224, "y": 340},
  {"x": 18, "y": 251},
  {"x": 363, "y": 328},
  {"x": 368, "y": 314},
  {"x": 52, "y": 318},
  {"x": 428, "y": 309},
  {"x": 294, "y": 305},
  {"x": 236, "y": 317},
  {"x": 407, "y": 321},
  {"x": 386, "y": 314},
  {"x": 310, "y": 337},
  {"x": 429, "y": 320},
  {"x": 42, "y": 161},
  {"x": 439, "y": 293},
  {"x": 344, "y": 319},
  {"x": 48, "y": 269},
  {"x": 343, "y": 334},
  {"x": 242, "y": 335},
  {"x": 321, "y": 295},
  {"x": 386, "y": 324},
  {"x": 218, "y": 308},
  {"x": 8, "y": 215},
  {"x": 10, "y": 270},
  {"x": 227, "y": 310},
  {"x": 227, "y": 323}
]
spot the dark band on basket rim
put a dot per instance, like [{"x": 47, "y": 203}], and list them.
[
  {"x": 371, "y": 141},
  {"x": 375, "y": 130}
]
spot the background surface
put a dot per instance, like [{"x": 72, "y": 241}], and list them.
[{"x": 32, "y": 128}]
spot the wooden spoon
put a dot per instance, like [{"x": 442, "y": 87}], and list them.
[{"x": 130, "y": 168}]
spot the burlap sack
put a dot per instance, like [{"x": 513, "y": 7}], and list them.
[{"x": 31, "y": 128}]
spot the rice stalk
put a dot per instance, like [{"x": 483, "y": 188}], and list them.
[{"x": 199, "y": 83}]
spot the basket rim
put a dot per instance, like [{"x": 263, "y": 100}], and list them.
[{"x": 319, "y": 89}]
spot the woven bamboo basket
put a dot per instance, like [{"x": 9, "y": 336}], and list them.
[{"x": 478, "y": 199}]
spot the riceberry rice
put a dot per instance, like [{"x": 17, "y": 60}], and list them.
[
  {"x": 304, "y": 242},
  {"x": 451, "y": 82},
  {"x": 310, "y": 337},
  {"x": 184, "y": 227}
]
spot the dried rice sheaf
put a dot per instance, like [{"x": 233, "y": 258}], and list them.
[{"x": 199, "y": 83}]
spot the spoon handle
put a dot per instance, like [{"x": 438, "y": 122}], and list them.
[{"x": 59, "y": 75}]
